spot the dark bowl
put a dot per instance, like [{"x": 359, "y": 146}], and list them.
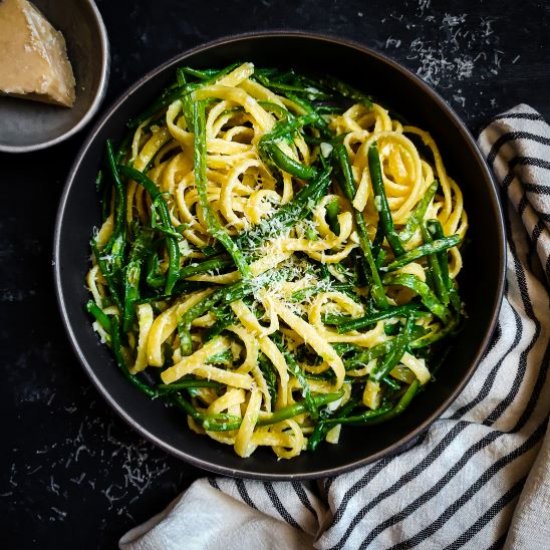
[{"x": 482, "y": 278}]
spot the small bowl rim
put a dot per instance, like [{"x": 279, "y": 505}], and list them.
[
  {"x": 98, "y": 98},
  {"x": 187, "y": 456}
]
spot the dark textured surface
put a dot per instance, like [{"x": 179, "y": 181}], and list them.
[{"x": 71, "y": 473}]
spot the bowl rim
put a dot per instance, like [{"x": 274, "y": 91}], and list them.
[
  {"x": 411, "y": 436},
  {"x": 98, "y": 98}
]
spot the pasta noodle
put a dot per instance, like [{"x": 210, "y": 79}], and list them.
[{"x": 278, "y": 257}]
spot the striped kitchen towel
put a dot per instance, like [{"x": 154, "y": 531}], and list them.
[{"x": 459, "y": 486}]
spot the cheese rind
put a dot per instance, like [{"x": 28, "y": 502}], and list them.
[{"x": 33, "y": 56}]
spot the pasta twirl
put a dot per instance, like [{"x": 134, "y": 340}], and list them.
[{"x": 277, "y": 257}]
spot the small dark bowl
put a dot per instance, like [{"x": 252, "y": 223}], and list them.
[
  {"x": 481, "y": 282},
  {"x": 29, "y": 125}
]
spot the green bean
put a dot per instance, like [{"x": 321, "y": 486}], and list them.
[
  {"x": 347, "y": 184},
  {"x": 314, "y": 117},
  {"x": 398, "y": 348},
  {"x": 167, "y": 231},
  {"x": 223, "y": 321},
  {"x": 285, "y": 129},
  {"x": 132, "y": 275},
  {"x": 361, "y": 322},
  {"x": 275, "y": 108},
  {"x": 348, "y": 187},
  {"x": 267, "y": 72},
  {"x": 385, "y": 412},
  {"x": 121, "y": 363},
  {"x": 381, "y": 201},
  {"x": 319, "y": 433},
  {"x": 203, "y": 267},
  {"x": 184, "y": 324},
  {"x": 182, "y": 287},
  {"x": 123, "y": 148},
  {"x": 120, "y": 199},
  {"x": 322, "y": 428},
  {"x": 329, "y": 109},
  {"x": 182, "y": 403},
  {"x": 107, "y": 274},
  {"x": 348, "y": 407},
  {"x": 111, "y": 257},
  {"x": 220, "y": 423},
  {"x": 227, "y": 294},
  {"x": 172, "y": 93},
  {"x": 299, "y": 374},
  {"x": 287, "y": 215},
  {"x": 417, "y": 217},
  {"x": 434, "y": 337},
  {"x": 204, "y": 74},
  {"x": 434, "y": 226},
  {"x": 342, "y": 348},
  {"x": 333, "y": 209},
  {"x": 288, "y": 164},
  {"x": 154, "y": 277},
  {"x": 391, "y": 329},
  {"x": 171, "y": 241},
  {"x": 427, "y": 297},
  {"x": 310, "y": 234},
  {"x": 216, "y": 75},
  {"x": 435, "y": 270},
  {"x": 391, "y": 382},
  {"x": 426, "y": 249},
  {"x": 183, "y": 384},
  {"x": 284, "y": 89},
  {"x": 212, "y": 222},
  {"x": 362, "y": 357},
  {"x": 100, "y": 317},
  {"x": 406, "y": 399},
  {"x": 327, "y": 375},
  {"x": 280, "y": 110},
  {"x": 168, "y": 96},
  {"x": 116, "y": 256},
  {"x": 224, "y": 358},
  {"x": 335, "y": 319},
  {"x": 306, "y": 293},
  {"x": 210, "y": 422},
  {"x": 380, "y": 258},
  {"x": 100, "y": 180},
  {"x": 364, "y": 418},
  {"x": 377, "y": 242},
  {"x": 298, "y": 408},
  {"x": 212, "y": 250},
  {"x": 345, "y": 90},
  {"x": 402, "y": 404},
  {"x": 181, "y": 79},
  {"x": 270, "y": 376},
  {"x": 272, "y": 153}
]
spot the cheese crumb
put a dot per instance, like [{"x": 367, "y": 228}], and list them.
[{"x": 326, "y": 149}]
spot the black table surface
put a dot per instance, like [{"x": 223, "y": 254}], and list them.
[{"x": 73, "y": 473}]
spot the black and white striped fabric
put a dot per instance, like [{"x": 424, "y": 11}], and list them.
[{"x": 458, "y": 487}]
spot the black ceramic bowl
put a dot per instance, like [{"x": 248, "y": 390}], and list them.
[{"x": 481, "y": 281}]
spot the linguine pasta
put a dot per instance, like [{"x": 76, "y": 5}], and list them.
[{"x": 278, "y": 258}]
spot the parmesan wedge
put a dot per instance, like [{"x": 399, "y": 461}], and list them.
[{"x": 33, "y": 56}]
